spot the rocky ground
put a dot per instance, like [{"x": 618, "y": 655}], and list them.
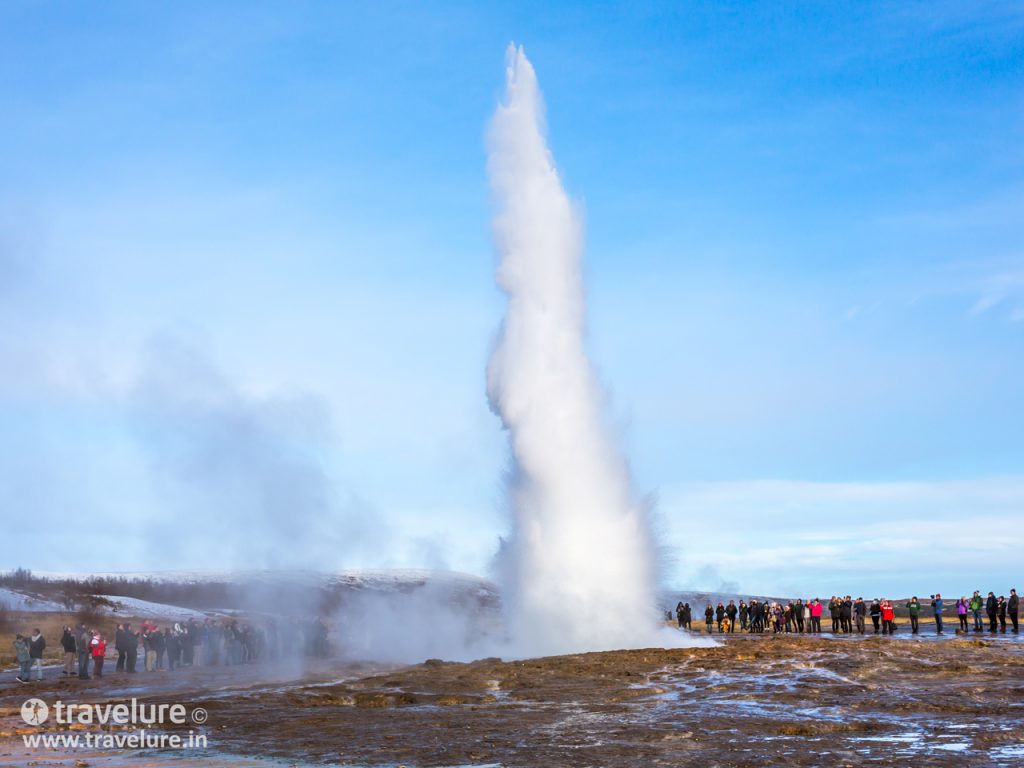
[{"x": 752, "y": 700}]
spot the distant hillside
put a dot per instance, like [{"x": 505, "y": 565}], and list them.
[{"x": 262, "y": 591}]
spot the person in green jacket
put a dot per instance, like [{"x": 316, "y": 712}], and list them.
[
  {"x": 914, "y": 608},
  {"x": 975, "y": 606}
]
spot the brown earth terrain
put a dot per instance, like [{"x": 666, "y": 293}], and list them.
[{"x": 795, "y": 700}]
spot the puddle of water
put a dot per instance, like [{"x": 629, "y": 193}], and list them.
[
  {"x": 959, "y": 747},
  {"x": 1007, "y": 752},
  {"x": 896, "y": 738}
]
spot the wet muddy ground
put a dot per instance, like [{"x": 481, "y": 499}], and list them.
[{"x": 753, "y": 700}]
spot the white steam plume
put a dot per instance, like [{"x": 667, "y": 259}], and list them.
[{"x": 578, "y": 572}]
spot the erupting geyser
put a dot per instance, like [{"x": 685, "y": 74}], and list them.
[{"x": 578, "y": 571}]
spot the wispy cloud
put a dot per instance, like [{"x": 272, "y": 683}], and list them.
[{"x": 773, "y": 535}]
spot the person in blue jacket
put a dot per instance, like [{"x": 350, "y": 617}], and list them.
[{"x": 937, "y": 610}]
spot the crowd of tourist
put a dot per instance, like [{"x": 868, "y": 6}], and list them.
[
  {"x": 849, "y": 616},
  {"x": 206, "y": 643}
]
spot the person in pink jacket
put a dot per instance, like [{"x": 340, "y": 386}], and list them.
[{"x": 816, "y": 608}]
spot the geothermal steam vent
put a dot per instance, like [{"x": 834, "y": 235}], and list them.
[{"x": 578, "y": 571}]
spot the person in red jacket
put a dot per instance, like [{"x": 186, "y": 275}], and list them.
[
  {"x": 99, "y": 652},
  {"x": 888, "y": 618},
  {"x": 814, "y": 609}
]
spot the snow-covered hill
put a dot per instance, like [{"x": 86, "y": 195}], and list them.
[
  {"x": 381, "y": 579},
  {"x": 173, "y": 594},
  {"x": 146, "y": 609},
  {"x": 22, "y": 601}
]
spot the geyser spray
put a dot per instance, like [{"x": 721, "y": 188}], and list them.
[{"x": 578, "y": 570}]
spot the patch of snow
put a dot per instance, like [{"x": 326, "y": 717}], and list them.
[
  {"x": 20, "y": 601},
  {"x": 145, "y": 609}
]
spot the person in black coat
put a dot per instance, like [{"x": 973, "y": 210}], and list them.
[
  {"x": 731, "y": 610},
  {"x": 172, "y": 644},
  {"x": 720, "y": 616},
  {"x": 991, "y": 606},
  {"x": 1012, "y": 607},
  {"x": 687, "y": 616},
  {"x": 160, "y": 646},
  {"x": 709, "y": 617},
  {"x": 36, "y": 646},
  {"x": 121, "y": 647},
  {"x": 1001, "y": 612},
  {"x": 83, "y": 643},
  {"x": 846, "y": 615},
  {"x": 131, "y": 648},
  {"x": 875, "y": 611},
  {"x": 67, "y": 642}
]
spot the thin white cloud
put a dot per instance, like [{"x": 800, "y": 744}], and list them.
[
  {"x": 985, "y": 303},
  {"x": 769, "y": 535}
]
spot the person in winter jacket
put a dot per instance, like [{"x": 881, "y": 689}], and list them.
[
  {"x": 172, "y": 643},
  {"x": 744, "y": 614},
  {"x": 846, "y": 614},
  {"x": 975, "y": 606},
  {"x": 720, "y": 616},
  {"x": 160, "y": 645},
  {"x": 149, "y": 645},
  {"x": 816, "y": 609},
  {"x": 731, "y": 610},
  {"x": 131, "y": 647},
  {"x": 888, "y": 618},
  {"x": 1013, "y": 608},
  {"x": 679, "y": 613},
  {"x": 709, "y": 617},
  {"x": 1001, "y": 612},
  {"x": 962, "y": 606},
  {"x": 67, "y": 642},
  {"x": 36, "y": 646},
  {"x": 99, "y": 653},
  {"x": 860, "y": 610},
  {"x": 833, "y": 613},
  {"x": 779, "y": 616},
  {"x": 937, "y": 611},
  {"x": 83, "y": 646},
  {"x": 875, "y": 611},
  {"x": 991, "y": 607},
  {"x": 24, "y": 659},
  {"x": 121, "y": 646},
  {"x": 799, "y": 613},
  {"x": 914, "y": 609}
]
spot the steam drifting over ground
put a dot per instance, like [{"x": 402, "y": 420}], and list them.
[{"x": 579, "y": 569}]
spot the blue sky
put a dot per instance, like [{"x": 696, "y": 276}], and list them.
[{"x": 246, "y": 282}]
